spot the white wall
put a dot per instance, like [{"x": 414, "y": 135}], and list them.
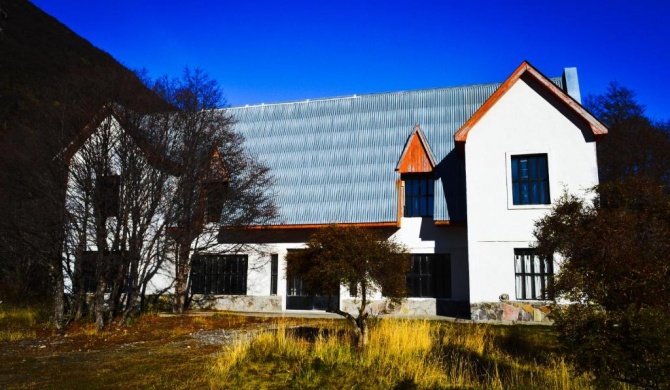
[{"x": 521, "y": 122}]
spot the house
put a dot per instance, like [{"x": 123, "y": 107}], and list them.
[{"x": 458, "y": 175}]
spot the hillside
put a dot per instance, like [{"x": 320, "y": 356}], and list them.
[{"x": 52, "y": 81}]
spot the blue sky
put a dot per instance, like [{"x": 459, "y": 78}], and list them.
[{"x": 272, "y": 51}]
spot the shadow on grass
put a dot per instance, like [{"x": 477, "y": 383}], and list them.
[{"x": 312, "y": 333}]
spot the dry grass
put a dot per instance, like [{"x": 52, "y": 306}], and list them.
[{"x": 402, "y": 354}]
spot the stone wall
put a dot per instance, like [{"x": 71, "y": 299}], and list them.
[
  {"x": 510, "y": 311},
  {"x": 238, "y": 302}
]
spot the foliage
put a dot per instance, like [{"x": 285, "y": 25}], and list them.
[
  {"x": 615, "y": 268},
  {"x": 402, "y": 354},
  {"x": 352, "y": 256},
  {"x": 635, "y": 145}
]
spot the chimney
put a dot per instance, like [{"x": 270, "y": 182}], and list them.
[{"x": 571, "y": 84}]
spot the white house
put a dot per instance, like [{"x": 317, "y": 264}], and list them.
[{"x": 458, "y": 175}]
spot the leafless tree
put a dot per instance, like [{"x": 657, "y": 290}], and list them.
[{"x": 220, "y": 183}]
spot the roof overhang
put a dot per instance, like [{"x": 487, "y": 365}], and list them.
[{"x": 527, "y": 70}]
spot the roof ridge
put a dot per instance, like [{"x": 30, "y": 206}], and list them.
[{"x": 358, "y": 96}]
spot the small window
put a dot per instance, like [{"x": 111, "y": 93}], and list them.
[
  {"x": 530, "y": 179},
  {"x": 429, "y": 276},
  {"x": 90, "y": 262},
  {"x": 419, "y": 196},
  {"x": 108, "y": 191},
  {"x": 274, "y": 273},
  {"x": 219, "y": 274},
  {"x": 534, "y": 275},
  {"x": 214, "y": 194}
]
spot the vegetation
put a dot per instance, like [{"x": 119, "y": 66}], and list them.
[
  {"x": 355, "y": 257},
  {"x": 402, "y": 354},
  {"x": 614, "y": 249},
  {"x": 218, "y": 350}
]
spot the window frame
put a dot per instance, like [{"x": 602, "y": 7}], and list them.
[
  {"x": 525, "y": 274},
  {"x": 219, "y": 274},
  {"x": 424, "y": 269},
  {"x": 274, "y": 273},
  {"x": 511, "y": 182},
  {"x": 424, "y": 195}
]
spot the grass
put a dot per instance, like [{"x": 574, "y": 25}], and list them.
[
  {"x": 402, "y": 354},
  {"x": 175, "y": 352}
]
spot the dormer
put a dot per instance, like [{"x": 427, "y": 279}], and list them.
[{"x": 416, "y": 166}]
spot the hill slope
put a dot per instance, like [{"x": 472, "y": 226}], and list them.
[{"x": 51, "y": 83}]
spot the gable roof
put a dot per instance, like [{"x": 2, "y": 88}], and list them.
[
  {"x": 121, "y": 115},
  {"x": 416, "y": 157},
  {"x": 334, "y": 159},
  {"x": 527, "y": 70}
]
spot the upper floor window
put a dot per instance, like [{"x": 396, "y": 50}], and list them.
[
  {"x": 419, "y": 195},
  {"x": 108, "y": 191},
  {"x": 530, "y": 179}
]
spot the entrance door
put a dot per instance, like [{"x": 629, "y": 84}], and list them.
[{"x": 298, "y": 299}]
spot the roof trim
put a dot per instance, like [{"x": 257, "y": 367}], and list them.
[
  {"x": 322, "y": 225},
  {"x": 411, "y": 152},
  {"x": 526, "y": 68},
  {"x": 121, "y": 115}
]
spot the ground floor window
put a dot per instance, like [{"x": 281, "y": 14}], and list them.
[
  {"x": 110, "y": 262},
  {"x": 274, "y": 273},
  {"x": 534, "y": 275},
  {"x": 429, "y": 276},
  {"x": 219, "y": 274}
]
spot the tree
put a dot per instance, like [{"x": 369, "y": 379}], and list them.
[
  {"x": 635, "y": 145},
  {"x": 615, "y": 270},
  {"x": 356, "y": 257},
  {"x": 220, "y": 184}
]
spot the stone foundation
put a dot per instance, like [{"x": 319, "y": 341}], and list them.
[
  {"x": 409, "y": 307},
  {"x": 237, "y": 302},
  {"x": 510, "y": 311}
]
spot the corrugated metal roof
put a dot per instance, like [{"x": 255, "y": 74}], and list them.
[{"x": 334, "y": 159}]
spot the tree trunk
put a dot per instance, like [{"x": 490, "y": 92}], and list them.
[
  {"x": 181, "y": 278},
  {"x": 58, "y": 295}
]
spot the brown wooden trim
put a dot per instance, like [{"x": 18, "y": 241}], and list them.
[
  {"x": 413, "y": 154},
  {"x": 322, "y": 225},
  {"x": 597, "y": 128}
]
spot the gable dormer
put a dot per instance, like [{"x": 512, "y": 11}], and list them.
[
  {"x": 416, "y": 166},
  {"x": 416, "y": 156}
]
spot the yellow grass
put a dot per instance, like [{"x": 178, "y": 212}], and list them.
[{"x": 409, "y": 353}]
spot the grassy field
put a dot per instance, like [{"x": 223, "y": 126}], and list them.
[{"x": 225, "y": 351}]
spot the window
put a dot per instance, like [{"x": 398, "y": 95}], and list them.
[
  {"x": 215, "y": 192},
  {"x": 533, "y": 274},
  {"x": 274, "y": 274},
  {"x": 419, "y": 195},
  {"x": 530, "y": 179},
  {"x": 219, "y": 274},
  {"x": 108, "y": 191},
  {"x": 429, "y": 276}
]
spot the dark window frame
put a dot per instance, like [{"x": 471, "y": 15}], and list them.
[
  {"x": 108, "y": 188},
  {"x": 530, "y": 179},
  {"x": 274, "y": 273},
  {"x": 533, "y": 275},
  {"x": 429, "y": 276},
  {"x": 419, "y": 195},
  {"x": 219, "y": 274}
]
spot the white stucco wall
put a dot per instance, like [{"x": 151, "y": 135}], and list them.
[{"x": 521, "y": 122}]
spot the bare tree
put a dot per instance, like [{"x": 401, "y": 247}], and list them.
[{"x": 220, "y": 184}]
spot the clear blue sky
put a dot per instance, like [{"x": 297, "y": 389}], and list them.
[{"x": 271, "y": 51}]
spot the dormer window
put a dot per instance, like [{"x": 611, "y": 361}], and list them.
[
  {"x": 419, "y": 195},
  {"x": 416, "y": 166},
  {"x": 215, "y": 192}
]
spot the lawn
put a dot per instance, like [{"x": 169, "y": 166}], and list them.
[{"x": 227, "y": 351}]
